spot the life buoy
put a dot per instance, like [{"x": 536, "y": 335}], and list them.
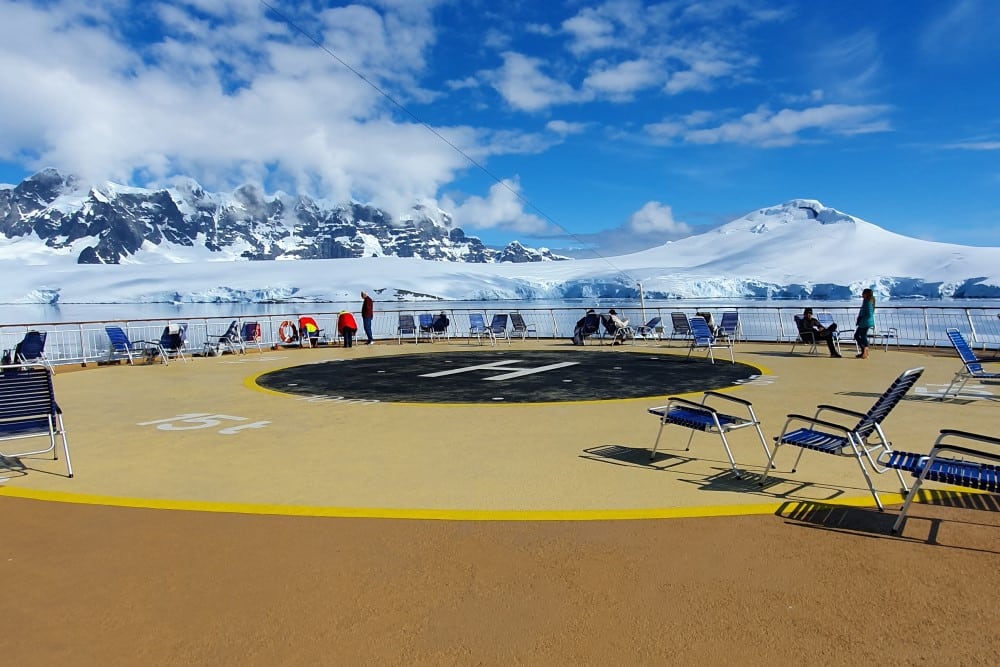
[{"x": 287, "y": 332}]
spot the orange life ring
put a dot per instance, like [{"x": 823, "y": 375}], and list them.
[{"x": 287, "y": 332}]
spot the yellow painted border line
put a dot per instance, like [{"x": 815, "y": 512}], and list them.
[{"x": 426, "y": 514}]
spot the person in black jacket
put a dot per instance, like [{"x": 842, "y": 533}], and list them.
[
  {"x": 585, "y": 326},
  {"x": 810, "y": 324}
]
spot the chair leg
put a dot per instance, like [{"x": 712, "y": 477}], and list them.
[
  {"x": 906, "y": 505},
  {"x": 656, "y": 444},
  {"x": 770, "y": 462},
  {"x": 729, "y": 454},
  {"x": 865, "y": 473}
]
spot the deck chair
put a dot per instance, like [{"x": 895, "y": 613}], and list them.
[
  {"x": 498, "y": 325},
  {"x": 229, "y": 341},
  {"x": 982, "y": 472},
  {"x": 859, "y": 441},
  {"x": 520, "y": 328},
  {"x": 120, "y": 345},
  {"x": 478, "y": 329},
  {"x": 31, "y": 349},
  {"x": 681, "y": 326},
  {"x": 616, "y": 333},
  {"x": 439, "y": 327},
  {"x": 804, "y": 336},
  {"x": 250, "y": 335},
  {"x": 309, "y": 332},
  {"x": 703, "y": 417},
  {"x": 591, "y": 326},
  {"x": 972, "y": 367},
  {"x": 826, "y": 319},
  {"x": 729, "y": 327},
  {"x": 702, "y": 336},
  {"x": 172, "y": 341},
  {"x": 406, "y": 327},
  {"x": 425, "y": 326},
  {"x": 648, "y": 330},
  {"x": 28, "y": 409}
]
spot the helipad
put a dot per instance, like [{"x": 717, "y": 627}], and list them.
[{"x": 417, "y": 431}]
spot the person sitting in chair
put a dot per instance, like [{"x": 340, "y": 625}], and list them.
[
  {"x": 441, "y": 323},
  {"x": 811, "y": 324},
  {"x": 616, "y": 324},
  {"x": 586, "y": 326}
]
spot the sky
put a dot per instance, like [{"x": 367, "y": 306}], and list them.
[{"x": 613, "y": 126}]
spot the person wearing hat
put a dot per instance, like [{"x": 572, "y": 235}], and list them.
[
  {"x": 810, "y": 323},
  {"x": 617, "y": 321}
]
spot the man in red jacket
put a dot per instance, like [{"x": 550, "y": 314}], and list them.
[
  {"x": 347, "y": 327},
  {"x": 367, "y": 312}
]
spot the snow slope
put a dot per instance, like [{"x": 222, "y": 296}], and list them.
[{"x": 797, "y": 249}]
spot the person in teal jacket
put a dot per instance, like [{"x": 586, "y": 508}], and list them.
[{"x": 865, "y": 322}]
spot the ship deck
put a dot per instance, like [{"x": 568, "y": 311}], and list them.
[{"x": 456, "y": 526}]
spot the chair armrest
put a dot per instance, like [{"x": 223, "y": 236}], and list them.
[
  {"x": 815, "y": 422},
  {"x": 843, "y": 411},
  {"x": 692, "y": 404},
  {"x": 741, "y": 401},
  {"x": 965, "y": 435}
]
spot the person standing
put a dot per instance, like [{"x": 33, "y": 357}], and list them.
[
  {"x": 347, "y": 327},
  {"x": 865, "y": 322},
  {"x": 367, "y": 313}
]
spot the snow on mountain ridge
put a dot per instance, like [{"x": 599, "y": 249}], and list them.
[{"x": 798, "y": 249}]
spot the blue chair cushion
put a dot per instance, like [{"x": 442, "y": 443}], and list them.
[{"x": 816, "y": 440}]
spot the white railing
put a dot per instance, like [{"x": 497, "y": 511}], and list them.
[{"x": 87, "y": 342}]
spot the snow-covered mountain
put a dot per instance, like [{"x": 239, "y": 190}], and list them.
[
  {"x": 799, "y": 249},
  {"x": 48, "y": 217}
]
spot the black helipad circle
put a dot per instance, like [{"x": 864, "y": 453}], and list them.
[{"x": 507, "y": 376}]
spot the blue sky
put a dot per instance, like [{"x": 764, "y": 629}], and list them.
[{"x": 618, "y": 124}]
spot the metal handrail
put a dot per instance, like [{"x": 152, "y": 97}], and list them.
[{"x": 85, "y": 341}]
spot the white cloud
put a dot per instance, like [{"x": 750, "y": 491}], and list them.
[
  {"x": 564, "y": 127},
  {"x": 657, "y": 219},
  {"x": 622, "y": 79},
  {"x": 975, "y": 145},
  {"x": 523, "y": 84},
  {"x": 786, "y": 127},
  {"x": 502, "y": 208}
]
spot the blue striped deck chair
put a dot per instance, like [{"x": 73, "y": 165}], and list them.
[
  {"x": 648, "y": 330},
  {"x": 729, "y": 327},
  {"x": 406, "y": 327},
  {"x": 28, "y": 409},
  {"x": 972, "y": 367},
  {"x": 826, "y": 319},
  {"x": 250, "y": 335},
  {"x": 681, "y": 326},
  {"x": 703, "y": 417},
  {"x": 978, "y": 468},
  {"x": 120, "y": 345},
  {"x": 859, "y": 441},
  {"x": 172, "y": 341},
  {"x": 498, "y": 325},
  {"x": 31, "y": 349},
  {"x": 522, "y": 328},
  {"x": 702, "y": 336},
  {"x": 425, "y": 326},
  {"x": 478, "y": 329}
]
